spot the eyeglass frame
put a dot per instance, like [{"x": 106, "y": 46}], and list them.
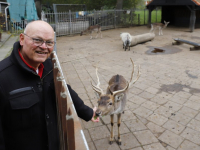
[{"x": 41, "y": 40}]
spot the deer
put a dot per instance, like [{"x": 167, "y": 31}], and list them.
[
  {"x": 114, "y": 100},
  {"x": 160, "y": 26},
  {"x": 91, "y": 29}
]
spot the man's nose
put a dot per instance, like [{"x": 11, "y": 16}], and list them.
[{"x": 43, "y": 45}]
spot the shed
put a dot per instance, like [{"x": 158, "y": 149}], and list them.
[
  {"x": 180, "y": 13},
  {"x": 3, "y": 16},
  {"x": 3, "y": 5}
]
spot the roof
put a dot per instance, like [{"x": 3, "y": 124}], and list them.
[
  {"x": 173, "y": 2},
  {"x": 4, "y": 3}
]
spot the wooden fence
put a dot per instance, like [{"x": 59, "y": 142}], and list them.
[{"x": 70, "y": 131}]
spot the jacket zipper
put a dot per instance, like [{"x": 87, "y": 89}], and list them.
[{"x": 45, "y": 76}]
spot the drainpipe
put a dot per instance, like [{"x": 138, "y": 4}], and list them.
[{"x": 6, "y": 16}]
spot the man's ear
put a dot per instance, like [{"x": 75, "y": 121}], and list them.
[
  {"x": 119, "y": 97},
  {"x": 21, "y": 39}
]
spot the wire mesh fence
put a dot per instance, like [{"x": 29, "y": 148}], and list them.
[{"x": 68, "y": 23}]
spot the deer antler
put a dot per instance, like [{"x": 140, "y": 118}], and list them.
[
  {"x": 131, "y": 80},
  {"x": 119, "y": 91},
  {"x": 97, "y": 88}
]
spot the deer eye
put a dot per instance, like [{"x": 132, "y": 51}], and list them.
[{"x": 110, "y": 103}]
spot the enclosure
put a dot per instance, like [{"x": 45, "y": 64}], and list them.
[
  {"x": 163, "y": 108},
  {"x": 70, "y": 23}
]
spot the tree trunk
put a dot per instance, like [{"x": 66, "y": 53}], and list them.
[{"x": 119, "y": 4}]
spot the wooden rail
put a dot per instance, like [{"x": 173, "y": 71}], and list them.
[{"x": 70, "y": 130}]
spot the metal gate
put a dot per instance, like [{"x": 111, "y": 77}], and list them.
[{"x": 66, "y": 23}]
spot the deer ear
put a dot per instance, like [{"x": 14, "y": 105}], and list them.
[
  {"x": 119, "y": 97},
  {"x": 164, "y": 21}
]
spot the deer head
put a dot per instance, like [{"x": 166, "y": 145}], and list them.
[
  {"x": 166, "y": 23},
  {"x": 114, "y": 100}
]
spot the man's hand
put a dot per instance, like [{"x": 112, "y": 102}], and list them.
[{"x": 95, "y": 118}]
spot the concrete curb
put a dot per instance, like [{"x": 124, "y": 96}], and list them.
[{"x": 5, "y": 40}]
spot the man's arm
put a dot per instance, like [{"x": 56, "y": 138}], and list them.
[
  {"x": 84, "y": 112},
  {"x": 2, "y": 144}
]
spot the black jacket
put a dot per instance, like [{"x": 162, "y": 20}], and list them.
[{"x": 28, "y": 119}]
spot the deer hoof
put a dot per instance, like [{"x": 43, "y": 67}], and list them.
[
  {"x": 119, "y": 143},
  {"x": 110, "y": 142}
]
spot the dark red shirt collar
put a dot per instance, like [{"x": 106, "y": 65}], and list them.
[{"x": 40, "y": 68}]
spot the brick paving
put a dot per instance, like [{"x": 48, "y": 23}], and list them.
[{"x": 163, "y": 107}]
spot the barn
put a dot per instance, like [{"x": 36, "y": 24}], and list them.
[{"x": 180, "y": 13}]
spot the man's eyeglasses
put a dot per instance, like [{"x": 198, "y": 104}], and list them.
[{"x": 39, "y": 42}]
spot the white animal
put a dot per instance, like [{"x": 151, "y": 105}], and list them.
[
  {"x": 160, "y": 26},
  {"x": 126, "y": 39}
]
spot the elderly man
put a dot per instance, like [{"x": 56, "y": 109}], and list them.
[{"x": 28, "y": 119}]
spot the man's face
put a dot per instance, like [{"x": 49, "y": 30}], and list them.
[{"x": 32, "y": 53}]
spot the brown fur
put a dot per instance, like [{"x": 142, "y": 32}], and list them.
[
  {"x": 114, "y": 101},
  {"x": 91, "y": 29}
]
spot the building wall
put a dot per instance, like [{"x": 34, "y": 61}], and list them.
[{"x": 179, "y": 16}]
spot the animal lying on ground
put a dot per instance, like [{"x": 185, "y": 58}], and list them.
[
  {"x": 126, "y": 39},
  {"x": 91, "y": 29},
  {"x": 160, "y": 26},
  {"x": 114, "y": 101}
]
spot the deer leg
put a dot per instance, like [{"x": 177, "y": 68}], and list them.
[
  {"x": 118, "y": 124},
  {"x": 112, "y": 125},
  {"x": 160, "y": 31},
  {"x": 97, "y": 34},
  {"x": 91, "y": 35},
  {"x": 101, "y": 34}
]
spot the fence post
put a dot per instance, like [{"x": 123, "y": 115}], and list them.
[
  {"x": 156, "y": 14},
  {"x": 131, "y": 13},
  {"x": 144, "y": 16},
  {"x": 138, "y": 19},
  {"x": 70, "y": 20},
  {"x": 115, "y": 19},
  {"x": 54, "y": 49}
]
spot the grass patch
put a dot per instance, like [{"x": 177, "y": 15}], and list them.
[{"x": 142, "y": 16}]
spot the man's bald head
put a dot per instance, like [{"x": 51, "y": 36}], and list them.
[{"x": 38, "y": 24}]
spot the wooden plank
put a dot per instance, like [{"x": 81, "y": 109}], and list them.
[
  {"x": 186, "y": 42},
  {"x": 80, "y": 142},
  {"x": 178, "y": 41}
]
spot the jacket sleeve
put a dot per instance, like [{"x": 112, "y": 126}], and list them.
[
  {"x": 83, "y": 111},
  {"x": 2, "y": 144}
]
